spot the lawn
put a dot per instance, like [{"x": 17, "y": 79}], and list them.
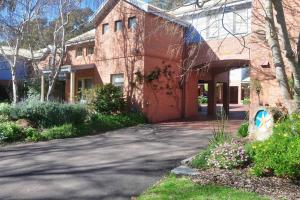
[{"x": 183, "y": 188}]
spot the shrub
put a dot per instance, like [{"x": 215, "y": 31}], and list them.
[
  {"x": 228, "y": 156},
  {"x": 5, "y": 109},
  {"x": 48, "y": 114},
  {"x": 108, "y": 99},
  {"x": 279, "y": 155},
  {"x": 279, "y": 113},
  {"x": 201, "y": 159},
  {"x": 33, "y": 135},
  {"x": 59, "y": 132},
  {"x": 202, "y": 100},
  {"x": 243, "y": 130},
  {"x": 10, "y": 132},
  {"x": 246, "y": 101}
]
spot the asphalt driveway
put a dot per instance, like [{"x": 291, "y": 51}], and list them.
[{"x": 115, "y": 165}]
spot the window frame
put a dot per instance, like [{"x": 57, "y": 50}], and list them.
[
  {"x": 89, "y": 48},
  {"x": 238, "y": 14},
  {"x": 83, "y": 87},
  {"x": 111, "y": 80},
  {"x": 77, "y": 52},
  {"x": 116, "y": 25},
  {"x": 129, "y": 20},
  {"x": 105, "y": 31}
]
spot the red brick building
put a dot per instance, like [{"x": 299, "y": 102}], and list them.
[{"x": 161, "y": 58}]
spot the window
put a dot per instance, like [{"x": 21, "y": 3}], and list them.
[
  {"x": 241, "y": 22},
  {"x": 117, "y": 80},
  {"x": 84, "y": 84},
  {"x": 132, "y": 22},
  {"x": 213, "y": 26},
  {"x": 105, "y": 28},
  {"x": 90, "y": 50},
  {"x": 79, "y": 51},
  {"x": 118, "y": 25},
  {"x": 228, "y": 25}
]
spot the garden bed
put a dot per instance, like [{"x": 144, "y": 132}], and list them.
[{"x": 274, "y": 187}]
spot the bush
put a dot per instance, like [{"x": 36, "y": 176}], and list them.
[
  {"x": 201, "y": 159},
  {"x": 228, "y": 156},
  {"x": 246, "y": 101},
  {"x": 108, "y": 99},
  {"x": 279, "y": 155},
  {"x": 49, "y": 114},
  {"x": 59, "y": 132},
  {"x": 10, "y": 132},
  {"x": 5, "y": 109},
  {"x": 243, "y": 130},
  {"x": 33, "y": 135},
  {"x": 202, "y": 100}
]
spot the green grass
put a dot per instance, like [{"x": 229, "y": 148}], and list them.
[{"x": 183, "y": 188}]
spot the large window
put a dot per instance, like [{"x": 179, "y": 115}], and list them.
[
  {"x": 118, "y": 25},
  {"x": 241, "y": 22},
  {"x": 105, "y": 28},
  {"x": 84, "y": 84},
  {"x": 213, "y": 26},
  {"x": 117, "y": 80},
  {"x": 132, "y": 22},
  {"x": 79, "y": 51}
]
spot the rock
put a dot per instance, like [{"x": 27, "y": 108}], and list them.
[
  {"x": 23, "y": 123},
  {"x": 184, "y": 170},
  {"x": 187, "y": 161}
]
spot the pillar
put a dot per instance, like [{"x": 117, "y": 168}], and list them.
[
  {"x": 226, "y": 98},
  {"x": 42, "y": 88},
  {"x": 72, "y": 87},
  {"x": 212, "y": 103}
]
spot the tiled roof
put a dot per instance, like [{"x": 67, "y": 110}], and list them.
[{"x": 85, "y": 37}]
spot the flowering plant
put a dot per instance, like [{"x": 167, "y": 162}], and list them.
[{"x": 228, "y": 155}]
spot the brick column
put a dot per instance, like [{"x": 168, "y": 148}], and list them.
[
  {"x": 212, "y": 103},
  {"x": 226, "y": 98},
  {"x": 72, "y": 87}
]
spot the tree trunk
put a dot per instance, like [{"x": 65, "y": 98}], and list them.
[
  {"x": 289, "y": 53},
  {"x": 273, "y": 42}
]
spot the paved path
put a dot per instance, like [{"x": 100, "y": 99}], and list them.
[{"x": 116, "y": 165}]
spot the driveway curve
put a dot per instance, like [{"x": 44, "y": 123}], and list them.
[{"x": 116, "y": 165}]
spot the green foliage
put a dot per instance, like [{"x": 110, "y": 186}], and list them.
[
  {"x": 201, "y": 159},
  {"x": 59, "y": 132},
  {"x": 5, "y": 109},
  {"x": 202, "y": 100},
  {"x": 246, "y": 101},
  {"x": 280, "y": 154},
  {"x": 48, "y": 114},
  {"x": 228, "y": 156},
  {"x": 33, "y": 135},
  {"x": 183, "y": 188},
  {"x": 243, "y": 130},
  {"x": 109, "y": 99},
  {"x": 279, "y": 113},
  {"x": 10, "y": 132}
]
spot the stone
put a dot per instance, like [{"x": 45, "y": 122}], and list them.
[
  {"x": 23, "y": 123},
  {"x": 185, "y": 171}
]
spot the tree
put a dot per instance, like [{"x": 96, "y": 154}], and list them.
[
  {"x": 168, "y": 4},
  {"x": 14, "y": 17}
]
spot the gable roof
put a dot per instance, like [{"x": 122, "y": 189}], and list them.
[
  {"x": 146, "y": 7},
  {"x": 85, "y": 37}
]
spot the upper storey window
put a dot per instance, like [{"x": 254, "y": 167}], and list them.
[
  {"x": 79, "y": 51},
  {"x": 118, "y": 25},
  {"x": 213, "y": 26},
  {"x": 90, "y": 50},
  {"x": 241, "y": 22},
  {"x": 132, "y": 22},
  {"x": 105, "y": 28}
]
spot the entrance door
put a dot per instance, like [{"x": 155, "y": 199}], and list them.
[{"x": 234, "y": 94}]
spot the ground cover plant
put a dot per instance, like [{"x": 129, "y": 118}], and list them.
[
  {"x": 183, "y": 188},
  {"x": 54, "y": 120}
]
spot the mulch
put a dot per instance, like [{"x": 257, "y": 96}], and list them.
[{"x": 273, "y": 187}]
